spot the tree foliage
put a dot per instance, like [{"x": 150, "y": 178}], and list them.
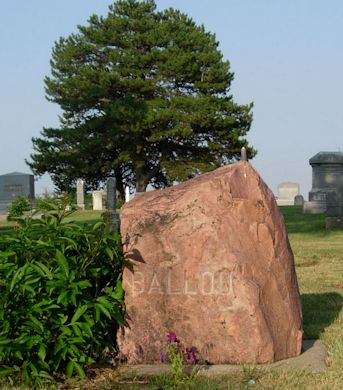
[
  {"x": 18, "y": 207},
  {"x": 145, "y": 96}
]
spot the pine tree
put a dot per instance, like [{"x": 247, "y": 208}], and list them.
[{"x": 145, "y": 96}]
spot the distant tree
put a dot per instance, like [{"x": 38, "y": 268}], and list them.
[
  {"x": 145, "y": 96},
  {"x": 18, "y": 207}
]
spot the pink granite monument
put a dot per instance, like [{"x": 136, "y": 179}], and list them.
[{"x": 210, "y": 260}]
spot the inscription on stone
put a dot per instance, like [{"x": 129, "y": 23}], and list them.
[
  {"x": 205, "y": 282},
  {"x": 16, "y": 188},
  {"x": 203, "y": 254}
]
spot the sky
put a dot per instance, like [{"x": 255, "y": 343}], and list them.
[{"x": 287, "y": 57}]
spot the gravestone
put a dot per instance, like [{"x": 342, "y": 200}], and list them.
[
  {"x": 209, "y": 259},
  {"x": 97, "y": 200},
  {"x": 80, "y": 194},
  {"x": 299, "y": 200},
  {"x": 127, "y": 194},
  {"x": 111, "y": 202},
  {"x": 287, "y": 191},
  {"x": 334, "y": 208},
  {"x": 15, "y": 184},
  {"x": 327, "y": 176}
]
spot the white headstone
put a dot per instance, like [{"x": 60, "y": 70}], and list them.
[
  {"x": 80, "y": 194},
  {"x": 97, "y": 200},
  {"x": 127, "y": 194},
  {"x": 287, "y": 191}
]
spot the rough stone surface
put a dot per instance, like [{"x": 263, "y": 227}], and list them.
[{"x": 210, "y": 260}]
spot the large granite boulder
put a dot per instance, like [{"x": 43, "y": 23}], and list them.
[{"x": 210, "y": 260}]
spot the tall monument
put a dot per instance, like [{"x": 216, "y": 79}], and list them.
[{"x": 327, "y": 177}]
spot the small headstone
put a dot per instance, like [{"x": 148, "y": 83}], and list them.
[
  {"x": 127, "y": 194},
  {"x": 97, "y": 200},
  {"x": 287, "y": 191},
  {"x": 298, "y": 200},
  {"x": 334, "y": 208},
  {"x": 334, "y": 222},
  {"x": 111, "y": 202},
  {"x": 80, "y": 194}
]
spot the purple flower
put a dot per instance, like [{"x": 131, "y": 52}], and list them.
[
  {"x": 172, "y": 338},
  {"x": 163, "y": 358},
  {"x": 190, "y": 356}
]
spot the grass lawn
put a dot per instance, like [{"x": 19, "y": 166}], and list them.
[
  {"x": 319, "y": 263},
  {"x": 86, "y": 216}
]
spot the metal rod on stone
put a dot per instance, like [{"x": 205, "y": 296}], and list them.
[
  {"x": 244, "y": 155},
  {"x": 111, "y": 202}
]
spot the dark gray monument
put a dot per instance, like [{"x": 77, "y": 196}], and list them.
[
  {"x": 334, "y": 209},
  {"x": 327, "y": 177},
  {"x": 298, "y": 200},
  {"x": 111, "y": 202},
  {"x": 15, "y": 184}
]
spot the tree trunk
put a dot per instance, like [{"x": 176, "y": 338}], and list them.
[
  {"x": 120, "y": 184},
  {"x": 141, "y": 180},
  {"x": 140, "y": 184}
]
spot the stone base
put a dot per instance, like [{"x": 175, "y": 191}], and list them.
[
  {"x": 312, "y": 358},
  {"x": 314, "y": 207},
  {"x": 285, "y": 202},
  {"x": 334, "y": 222}
]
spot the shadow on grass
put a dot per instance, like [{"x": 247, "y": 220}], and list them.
[
  {"x": 7, "y": 229},
  {"x": 297, "y": 222},
  {"x": 320, "y": 311}
]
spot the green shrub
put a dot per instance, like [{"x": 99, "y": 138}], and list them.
[
  {"x": 55, "y": 204},
  {"x": 88, "y": 201},
  {"x": 19, "y": 205},
  {"x": 60, "y": 297}
]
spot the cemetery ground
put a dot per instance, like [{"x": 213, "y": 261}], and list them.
[
  {"x": 319, "y": 264},
  {"x": 85, "y": 216}
]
